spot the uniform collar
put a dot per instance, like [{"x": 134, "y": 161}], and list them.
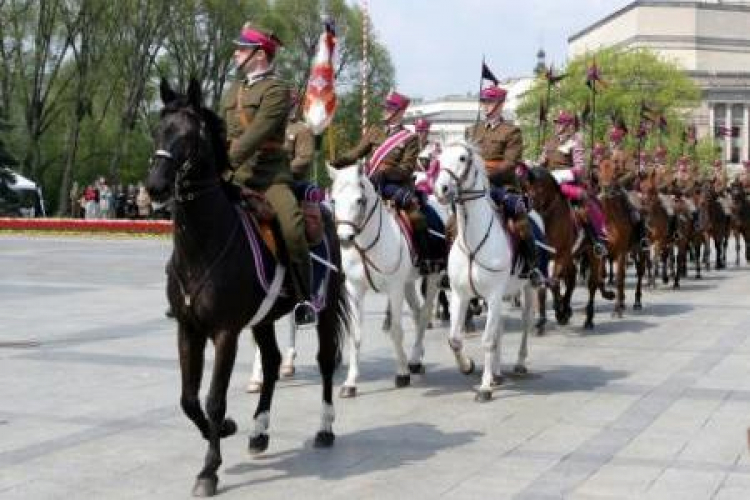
[
  {"x": 493, "y": 123},
  {"x": 257, "y": 76},
  {"x": 392, "y": 129}
]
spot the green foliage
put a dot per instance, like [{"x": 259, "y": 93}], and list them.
[
  {"x": 630, "y": 78},
  {"x": 97, "y": 66}
]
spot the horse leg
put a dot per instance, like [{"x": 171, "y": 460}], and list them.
[
  {"x": 191, "y": 349},
  {"x": 593, "y": 284},
  {"x": 329, "y": 353},
  {"x": 526, "y": 316},
  {"x": 541, "y": 323},
  {"x": 697, "y": 251},
  {"x": 421, "y": 314},
  {"x": 459, "y": 306},
  {"x": 256, "y": 372},
  {"x": 396, "y": 301},
  {"x": 225, "y": 348},
  {"x": 287, "y": 363},
  {"x": 386, "y": 326},
  {"x": 622, "y": 262},
  {"x": 570, "y": 285},
  {"x": 349, "y": 389},
  {"x": 664, "y": 256},
  {"x": 265, "y": 336},
  {"x": 611, "y": 280},
  {"x": 737, "y": 248},
  {"x": 640, "y": 265},
  {"x": 491, "y": 345},
  {"x": 443, "y": 306}
]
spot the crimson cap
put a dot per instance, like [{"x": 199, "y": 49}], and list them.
[
  {"x": 251, "y": 37},
  {"x": 396, "y": 102},
  {"x": 492, "y": 94}
]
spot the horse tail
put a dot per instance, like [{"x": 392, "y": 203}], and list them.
[{"x": 336, "y": 316}]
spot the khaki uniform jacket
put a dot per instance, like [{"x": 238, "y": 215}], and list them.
[
  {"x": 300, "y": 146},
  {"x": 398, "y": 166},
  {"x": 501, "y": 147},
  {"x": 625, "y": 168},
  {"x": 256, "y": 115}
]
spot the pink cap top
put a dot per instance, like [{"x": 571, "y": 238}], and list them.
[
  {"x": 396, "y": 102},
  {"x": 492, "y": 94},
  {"x": 616, "y": 134},
  {"x": 422, "y": 125},
  {"x": 565, "y": 118},
  {"x": 251, "y": 37}
]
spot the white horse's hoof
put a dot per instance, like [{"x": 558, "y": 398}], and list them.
[
  {"x": 497, "y": 380},
  {"x": 471, "y": 368},
  {"x": 416, "y": 368},
  {"x": 348, "y": 391},
  {"x": 483, "y": 396},
  {"x": 520, "y": 370},
  {"x": 286, "y": 371},
  {"x": 403, "y": 381},
  {"x": 253, "y": 387}
]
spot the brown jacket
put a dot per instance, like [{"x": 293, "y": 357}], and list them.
[
  {"x": 256, "y": 116},
  {"x": 625, "y": 168},
  {"x": 398, "y": 166},
  {"x": 300, "y": 146},
  {"x": 501, "y": 147}
]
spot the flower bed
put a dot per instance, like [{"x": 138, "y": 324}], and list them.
[{"x": 99, "y": 226}]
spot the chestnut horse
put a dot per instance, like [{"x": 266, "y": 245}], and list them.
[{"x": 621, "y": 236}]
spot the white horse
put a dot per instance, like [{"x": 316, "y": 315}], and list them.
[
  {"x": 480, "y": 263},
  {"x": 376, "y": 256}
]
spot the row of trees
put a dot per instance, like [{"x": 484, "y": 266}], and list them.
[
  {"x": 78, "y": 78},
  {"x": 636, "y": 88}
]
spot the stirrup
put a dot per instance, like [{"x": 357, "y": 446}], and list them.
[
  {"x": 600, "y": 249},
  {"x": 304, "y": 314}
]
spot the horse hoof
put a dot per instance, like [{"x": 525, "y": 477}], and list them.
[
  {"x": 637, "y": 306},
  {"x": 287, "y": 371},
  {"x": 386, "y": 326},
  {"x": 588, "y": 325},
  {"x": 520, "y": 370},
  {"x": 205, "y": 487},
  {"x": 257, "y": 444},
  {"x": 416, "y": 368},
  {"x": 483, "y": 396},
  {"x": 253, "y": 387},
  {"x": 348, "y": 391},
  {"x": 608, "y": 295},
  {"x": 402, "y": 381},
  {"x": 429, "y": 326},
  {"x": 324, "y": 439},
  {"x": 228, "y": 428},
  {"x": 497, "y": 380},
  {"x": 471, "y": 368}
]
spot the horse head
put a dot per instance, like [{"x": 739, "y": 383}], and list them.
[
  {"x": 607, "y": 169},
  {"x": 542, "y": 187},
  {"x": 354, "y": 201},
  {"x": 188, "y": 138},
  {"x": 461, "y": 172}
]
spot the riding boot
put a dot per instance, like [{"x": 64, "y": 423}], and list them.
[
  {"x": 672, "y": 227},
  {"x": 421, "y": 240},
  {"x": 531, "y": 267},
  {"x": 694, "y": 215},
  {"x": 597, "y": 241},
  {"x": 304, "y": 312},
  {"x": 640, "y": 229}
]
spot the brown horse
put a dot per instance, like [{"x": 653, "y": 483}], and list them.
[
  {"x": 566, "y": 237},
  {"x": 657, "y": 222},
  {"x": 715, "y": 224},
  {"x": 740, "y": 222},
  {"x": 621, "y": 235}
]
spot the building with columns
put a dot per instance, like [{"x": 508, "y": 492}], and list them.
[{"x": 709, "y": 39}]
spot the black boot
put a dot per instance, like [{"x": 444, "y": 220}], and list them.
[
  {"x": 530, "y": 268},
  {"x": 672, "y": 227},
  {"x": 599, "y": 246},
  {"x": 304, "y": 313},
  {"x": 696, "y": 221},
  {"x": 643, "y": 242}
]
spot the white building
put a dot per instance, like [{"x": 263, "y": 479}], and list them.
[
  {"x": 449, "y": 116},
  {"x": 709, "y": 39}
]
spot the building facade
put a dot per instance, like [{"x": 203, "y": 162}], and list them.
[
  {"x": 449, "y": 116},
  {"x": 709, "y": 39}
]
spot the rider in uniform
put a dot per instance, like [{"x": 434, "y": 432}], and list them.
[
  {"x": 626, "y": 177},
  {"x": 565, "y": 155},
  {"x": 393, "y": 151},
  {"x": 299, "y": 143},
  {"x": 256, "y": 109},
  {"x": 501, "y": 145}
]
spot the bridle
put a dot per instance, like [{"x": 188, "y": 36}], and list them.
[
  {"x": 364, "y": 249},
  {"x": 462, "y": 197}
]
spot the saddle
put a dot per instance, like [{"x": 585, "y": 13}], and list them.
[{"x": 258, "y": 206}]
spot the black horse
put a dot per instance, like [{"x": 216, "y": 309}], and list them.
[{"x": 213, "y": 283}]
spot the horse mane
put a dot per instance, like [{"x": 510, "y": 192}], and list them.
[{"x": 538, "y": 173}]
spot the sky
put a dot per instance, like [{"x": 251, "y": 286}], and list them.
[{"x": 437, "y": 45}]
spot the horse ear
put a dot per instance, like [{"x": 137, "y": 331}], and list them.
[
  {"x": 195, "y": 94},
  {"x": 165, "y": 91},
  {"x": 331, "y": 171}
]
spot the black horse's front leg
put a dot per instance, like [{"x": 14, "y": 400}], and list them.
[
  {"x": 225, "y": 346},
  {"x": 265, "y": 337},
  {"x": 191, "y": 348}
]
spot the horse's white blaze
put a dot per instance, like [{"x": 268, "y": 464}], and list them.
[{"x": 479, "y": 233}]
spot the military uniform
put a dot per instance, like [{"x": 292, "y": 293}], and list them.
[
  {"x": 500, "y": 145},
  {"x": 256, "y": 112},
  {"x": 300, "y": 146}
]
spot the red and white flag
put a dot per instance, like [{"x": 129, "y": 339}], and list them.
[{"x": 320, "y": 96}]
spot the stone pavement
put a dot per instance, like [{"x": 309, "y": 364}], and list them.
[{"x": 654, "y": 405}]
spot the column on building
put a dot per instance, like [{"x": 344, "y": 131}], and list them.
[
  {"x": 728, "y": 136},
  {"x": 746, "y": 133}
]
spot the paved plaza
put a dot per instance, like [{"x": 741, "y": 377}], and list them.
[{"x": 653, "y": 405}]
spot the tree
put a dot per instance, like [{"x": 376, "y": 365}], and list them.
[{"x": 630, "y": 79}]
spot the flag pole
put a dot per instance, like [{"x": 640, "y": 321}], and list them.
[{"x": 479, "y": 95}]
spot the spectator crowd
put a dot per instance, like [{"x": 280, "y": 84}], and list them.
[{"x": 100, "y": 201}]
